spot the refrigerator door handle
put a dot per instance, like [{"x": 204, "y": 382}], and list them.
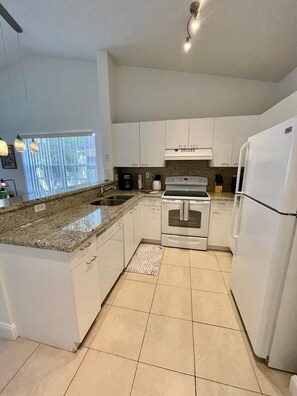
[
  {"x": 240, "y": 165},
  {"x": 235, "y": 234}
]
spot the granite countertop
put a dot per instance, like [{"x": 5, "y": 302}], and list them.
[
  {"x": 68, "y": 229},
  {"x": 224, "y": 196}
]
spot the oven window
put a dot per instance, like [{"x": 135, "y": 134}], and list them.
[{"x": 193, "y": 222}]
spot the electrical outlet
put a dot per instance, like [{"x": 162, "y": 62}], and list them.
[
  {"x": 39, "y": 208},
  {"x": 147, "y": 175}
]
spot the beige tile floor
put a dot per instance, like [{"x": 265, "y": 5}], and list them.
[{"x": 178, "y": 334}]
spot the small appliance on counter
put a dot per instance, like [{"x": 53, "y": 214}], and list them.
[
  {"x": 157, "y": 184},
  {"x": 218, "y": 185},
  {"x": 125, "y": 181}
]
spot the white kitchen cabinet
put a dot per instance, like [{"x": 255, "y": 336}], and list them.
[
  {"x": 129, "y": 243},
  {"x": 110, "y": 252},
  {"x": 244, "y": 128},
  {"x": 177, "y": 134},
  {"x": 86, "y": 294},
  {"x": 220, "y": 224},
  {"x": 152, "y": 144},
  {"x": 230, "y": 133},
  {"x": 152, "y": 219},
  {"x": 201, "y": 133},
  {"x": 223, "y": 141},
  {"x": 126, "y": 144},
  {"x": 138, "y": 226}
]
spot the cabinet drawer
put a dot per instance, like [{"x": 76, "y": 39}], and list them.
[
  {"x": 221, "y": 205},
  {"x": 82, "y": 252},
  {"x": 151, "y": 201}
]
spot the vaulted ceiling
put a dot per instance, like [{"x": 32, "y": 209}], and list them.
[{"x": 253, "y": 39}]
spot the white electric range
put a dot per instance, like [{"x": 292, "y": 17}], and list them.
[{"x": 185, "y": 212}]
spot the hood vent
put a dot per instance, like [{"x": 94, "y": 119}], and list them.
[{"x": 188, "y": 154}]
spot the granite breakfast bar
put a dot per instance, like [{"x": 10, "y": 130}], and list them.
[
  {"x": 50, "y": 290},
  {"x": 50, "y": 266}
]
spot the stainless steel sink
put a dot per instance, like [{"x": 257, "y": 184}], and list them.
[
  {"x": 121, "y": 197},
  {"x": 114, "y": 200}
]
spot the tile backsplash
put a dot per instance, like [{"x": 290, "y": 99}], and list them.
[{"x": 182, "y": 168}]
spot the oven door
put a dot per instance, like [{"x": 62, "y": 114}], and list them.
[{"x": 185, "y": 217}]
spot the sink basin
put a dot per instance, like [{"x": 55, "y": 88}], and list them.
[
  {"x": 114, "y": 200},
  {"x": 121, "y": 197}
]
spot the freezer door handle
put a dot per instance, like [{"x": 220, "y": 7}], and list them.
[
  {"x": 244, "y": 149},
  {"x": 181, "y": 210}
]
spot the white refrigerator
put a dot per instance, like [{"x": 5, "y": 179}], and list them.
[{"x": 264, "y": 268}]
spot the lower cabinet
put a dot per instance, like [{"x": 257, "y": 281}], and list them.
[
  {"x": 129, "y": 245},
  {"x": 110, "y": 252},
  {"x": 220, "y": 224},
  {"x": 86, "y": 293},
  {"x": 152, "y": 219}
]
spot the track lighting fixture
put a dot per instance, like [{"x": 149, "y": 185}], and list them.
[
  {"x": 3, "y": 147},
  {"x": 34, "y": 146},
  {"x": 193, "y": 24}
]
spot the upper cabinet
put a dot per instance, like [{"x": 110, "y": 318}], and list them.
[
  {"x": 195, "y": 133},
  {"x": 126, "y": 144},
  {"x": 201, "y": 133},
  {"x": 177, "y": 134},
  {"x": 139, "y": 144},
  {"x": 152, "y": 143},
  {"x": 244, "y": 128},
  {"x": 230, "y": 133}
]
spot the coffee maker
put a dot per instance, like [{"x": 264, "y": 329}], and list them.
[{"x": 125, "y": 181}]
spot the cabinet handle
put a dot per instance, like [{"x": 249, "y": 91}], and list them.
[
  {"x": 93, "y": 259},
  {"x": 194, "y": 145},
  {"x": 87, "y": 245},
  {"x": 216, "y": 213},
  {"x": 134, "y": 164},
  {"x": 225, "y": 163},
  {"x": 235, "y": 163},
  {"x": 144, "y": 164}
]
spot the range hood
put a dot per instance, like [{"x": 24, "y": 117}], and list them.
[{"x": 188, "y": 154}]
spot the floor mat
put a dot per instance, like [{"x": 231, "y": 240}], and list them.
[{"x": 146, "y": 260}]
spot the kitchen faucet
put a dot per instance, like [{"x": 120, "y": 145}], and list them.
[{"x": 108, "y": 188}]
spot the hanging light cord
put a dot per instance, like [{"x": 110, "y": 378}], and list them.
[
  {"x": 6, "y": 60},
  {"x": 25, "y": 85}
]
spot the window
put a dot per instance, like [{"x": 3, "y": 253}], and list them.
[{"x": 62, "y": 163}]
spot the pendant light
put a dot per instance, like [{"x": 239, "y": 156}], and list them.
[
  {"x": 19, "y": 144},
  {"x": 3, "y": 148},
  {"x": 34, "y": 146}
]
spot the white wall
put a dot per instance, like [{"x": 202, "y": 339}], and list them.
[
  {"x": 287, "y": 85},
  {"x": 152, "y": 94},
  {"x": 63, "y": 96}
]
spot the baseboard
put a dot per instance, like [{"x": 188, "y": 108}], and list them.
[
  {"x": 8, "y": 331},
  {"x": 293, "y": 385}
]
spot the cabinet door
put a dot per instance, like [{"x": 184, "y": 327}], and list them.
[
  {"x": 177, "y": 134},
  {"x": 110, "y": 252},
  {"x": 137, "y": 225},
  {"x": 86, "y": 293},
  {"x": 201, "y": 133},
  {"x": 245, "y": 127},
  {"x": 220, "y": 228},
  {"x": 152, "y": 221},
  {"x": 126, "y": 144},
  {"x": 223, "y": 141},
  {"x": 129, "y": 244},
  {"x": 152, "y": 143}
]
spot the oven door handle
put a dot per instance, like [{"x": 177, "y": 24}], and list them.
[
  {"x": 181, "y": 210},
  {"x": 186, "y": 210}
]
